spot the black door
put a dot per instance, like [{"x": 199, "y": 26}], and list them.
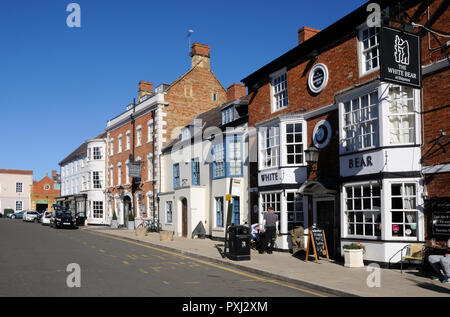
[
  {"x": 127, "y": 210},
  {"x": 184, "y": 217},
  {"x": 325, "y": 221}
]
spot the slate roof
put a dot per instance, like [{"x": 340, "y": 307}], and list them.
[{"x": 81, "y": 151}]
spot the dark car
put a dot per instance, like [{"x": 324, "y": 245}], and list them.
[{"x": 63, "y": 218}]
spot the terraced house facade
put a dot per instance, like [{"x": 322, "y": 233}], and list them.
[
  {"x": 371, "y": 182},
  {"x": 139, "y": 134}
]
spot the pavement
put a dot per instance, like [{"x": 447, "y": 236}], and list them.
[{"x": 328, "y": 277}]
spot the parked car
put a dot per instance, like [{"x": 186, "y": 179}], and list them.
[
  {"x": 16, "y": 215},
  {"x": 29, "y": 215},
  {"x": 45, "y": 218},
  {"x": 62, "y": 218}
]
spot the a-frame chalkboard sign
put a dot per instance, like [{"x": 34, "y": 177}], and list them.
[{"x": 316, "y": 237}]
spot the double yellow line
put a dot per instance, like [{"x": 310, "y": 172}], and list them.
[{"x": 254, "y": 277}]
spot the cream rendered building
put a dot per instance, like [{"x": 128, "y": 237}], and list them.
[{"x": 15, "y": 190}]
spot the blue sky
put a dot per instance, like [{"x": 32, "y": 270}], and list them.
[{"x": 60, "y": 85}]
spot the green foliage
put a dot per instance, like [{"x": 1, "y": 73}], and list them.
[
  {"x": 114, "y": 215},
  {"x": 354, "y": 246},
  {"x": 131, "y": 216}
]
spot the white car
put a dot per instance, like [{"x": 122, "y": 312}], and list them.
[
  {"x": 45, "y": 219},
  {"x": 29, "y": 215}
]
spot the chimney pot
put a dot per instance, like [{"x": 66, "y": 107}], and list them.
[
  {"x": 305, "y": 33},
  {"x": 200, "y": 55},
  {"x": 145, "y": 88},
  {"x": 236, "y": 91}
]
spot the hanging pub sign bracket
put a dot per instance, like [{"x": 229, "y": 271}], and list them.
[
  {"x": 400, "y": 57},
  {"x": 316, "y": 238}
]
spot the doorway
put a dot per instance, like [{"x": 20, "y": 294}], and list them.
[
  {"x": 184, "y": 226},
  {"x": 126, "y": 209},
  {"x": 40, "y": 208},
  {"x": 324, "y": 218}
]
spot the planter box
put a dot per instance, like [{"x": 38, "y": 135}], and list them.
[
  {"x": 353, "y": 258},
  {"x": 130, "y": 225},
  {"x": 166, "y": 235},
  {"x": 114, "y": 224}
]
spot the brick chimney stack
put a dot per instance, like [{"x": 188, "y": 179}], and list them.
[
  {"x": 200, "y": 55},
  {"x": 306, "y": 33},
  {"x": 53, "y": 174},
  {"x": 145, "y": 88},
  {"x": 236, "y": 91}
]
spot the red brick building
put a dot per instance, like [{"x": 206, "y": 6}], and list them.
[
  {"x": 45, "y": 192},
  {"x": 143, "y": 129},
  {"x": 373, "y": 177}
]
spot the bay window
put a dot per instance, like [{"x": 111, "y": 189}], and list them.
[
  {"x": 404, "y": 210},
  {"x": 294, "y": 143},
  {"x": 360, "y": 126},
  {"x": 401, "y": 115},
  {"x": 234, "y": 156},
  {"x": 271, "y": 200},
  {"x": 362, "y": 208},
  {"x": 97, "y": 211},
  {"x": 270, "y": 147},
  {"x": 218, "y": 163},
  {"x": 295, "y": 212}
]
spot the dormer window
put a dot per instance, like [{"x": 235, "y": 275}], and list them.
[
  {"x": 185, "y": 134},
  {"x": 227, "y": 115}
]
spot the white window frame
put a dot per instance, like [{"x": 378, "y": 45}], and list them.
[
  {"x": 273, "y": 93},
  {"x": 304, "y": 211},
  {"x": 120, "y": 145},
  {"x": 419, "y": 209},
  {"x": 150, "y": 131},
  {"x": 138, "y": 136},
  {"x": 98, "y": 210},
  {"x": 263, "y": 132},
  {"x": 263, "y": 206},
  {"x": 414, "y": 99},
  {"x": 361, "y": 51},
  {"x": 345, "y": 211},
  {"x": 167, "y": 204},
  {"x": 128, "y": 145},
  {"x": 111, "y": 176},
  {"x": 19, "y": 187},
  {"x": 119, "y": 174},
  {"x": 284, "y": 145},
  {"x": 111, "y": 147},
  {"x": 21, "y": 206}
]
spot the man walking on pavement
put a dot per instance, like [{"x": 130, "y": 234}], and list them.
[{"x": 269, "y": 231}]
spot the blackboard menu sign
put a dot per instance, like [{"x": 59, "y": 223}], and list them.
[
  {"x": 316, "y": 237},
  {"x": 440, "y": 216},
  {"x": 319, "y": 241},
  {"x": 441, "y": 222}
]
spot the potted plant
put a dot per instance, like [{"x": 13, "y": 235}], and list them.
[
  {"x": 131, "y": 221},
  {"x": 353, "y": 254},
  {"x": 114, "y": 222}
]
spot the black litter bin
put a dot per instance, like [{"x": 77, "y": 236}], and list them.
[{"x": 239, "y": 243}]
